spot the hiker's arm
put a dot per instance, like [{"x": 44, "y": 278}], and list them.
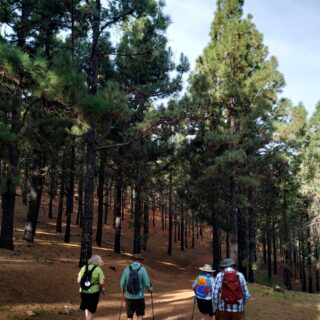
[
  {"x": 215, "y": 291},
  {"x": 146, "y": 280},
  {"x": 80, "y": 274},
  {"x": 194, "y": 284},
  {"x": 101, "y": 279},
  {"x": 245, "y": 290},
  {"x": 123, "y": 281}
]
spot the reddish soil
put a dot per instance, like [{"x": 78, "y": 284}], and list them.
[{"x": 41, "y": 277}]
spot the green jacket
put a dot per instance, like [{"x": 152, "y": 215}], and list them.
[
  {"x": 97, "y": 275},
  {"x": 143, "y": 278}
]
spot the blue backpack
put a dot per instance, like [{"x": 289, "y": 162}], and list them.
[{"x": 203, "y": 286}]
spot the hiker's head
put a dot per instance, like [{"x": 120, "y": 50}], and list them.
[
  {"x": 226, "y": 263},
  {"x": 96, "y": 261},
  {"x": 207, "y": 268}
]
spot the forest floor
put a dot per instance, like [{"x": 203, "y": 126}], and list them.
[{"x": 40, "y": 277}]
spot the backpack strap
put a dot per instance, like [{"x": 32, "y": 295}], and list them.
[
  {"x": 91, "y": 271},
  {"x": 136, "y": 269}
]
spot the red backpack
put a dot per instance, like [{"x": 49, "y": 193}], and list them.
[{"x": 231, "y": 290}]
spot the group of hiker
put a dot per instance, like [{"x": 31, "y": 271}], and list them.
[{"x": 222, "y": 297}]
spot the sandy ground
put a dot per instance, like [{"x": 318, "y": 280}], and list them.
[{"x": 40, "y": 277}]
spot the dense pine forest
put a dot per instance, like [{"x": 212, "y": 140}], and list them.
[{"x": 94, "y": 118}]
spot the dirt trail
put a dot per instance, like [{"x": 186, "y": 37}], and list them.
[{"x": 41, "y": 277}]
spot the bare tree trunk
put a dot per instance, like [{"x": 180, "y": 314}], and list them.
[
  {"x": 274, "y": 245},
  {"x": 70, "y": 195},
  {"x": 61, "y": 193},
  {"x": 286, "y": 243},
  {"x": 34, "y": 201},
  {"x": 316, "y": 255},
  {"x": 215, "y": 236},
  {"x": 118, "y": 203},
  {"x": 251, "y": 236},
  {"x": 182, "y": 216},
  {"x": 137, "y": 213},
  {"x": 52, "y": 188},
  {"x": 170, "y": 214},
  {"x": 103, "y": 157},
  {"x": 233, "y": 223},
  {"x": 146, "y": 222},
  {"x": 86, "y": 238}
]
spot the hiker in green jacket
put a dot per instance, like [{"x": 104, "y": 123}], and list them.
[
  {"x": 133, "y": 282},
  {"x": 90, "y": 290}
]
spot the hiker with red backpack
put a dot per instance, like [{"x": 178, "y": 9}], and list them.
[
  {"x": 91, "y": 280},
  {"x": 133, "y": 282},
  {"x": 203, "y": 287},
  {"x": 230, "y": 292}
]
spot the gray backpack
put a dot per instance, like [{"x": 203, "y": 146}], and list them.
[{"x": 133, "y": 284}]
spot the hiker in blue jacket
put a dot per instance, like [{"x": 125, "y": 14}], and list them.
[
  {"x": 133, "y": 282},
  {"x": 203, "y": 287}
]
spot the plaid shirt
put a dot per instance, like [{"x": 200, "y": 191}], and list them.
[{"x": 219, "y": 304}]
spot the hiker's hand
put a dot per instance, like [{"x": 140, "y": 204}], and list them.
[{"x": 151, "y": 289}]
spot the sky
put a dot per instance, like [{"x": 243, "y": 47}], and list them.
[{"x": 291, "y": 30}]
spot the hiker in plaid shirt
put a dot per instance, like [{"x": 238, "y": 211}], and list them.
[{"x": 232, "y": 311}]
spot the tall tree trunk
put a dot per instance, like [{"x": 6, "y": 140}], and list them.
[
  {"x": 233, "y": 223},
  {"x": 182, "y": 216},
  {"x": 118, "y": 203},
  {"x": 103, "y": 157},
  {"x": 86, "y": 238},
  {"x": 316, "y": 255},
  {"x": 186, "y": 217},
  {"x": 154, "y": 210},
  {"x": 241, "y": 242},
  {"x": 170, "y": 214},
  {"x": 264, "y": 246},
  {"x": 61, "y": 192},
  {"x": 146, "y": 222},
  {"x": 52, "y": 188},
  {"x": 34, "y": 201},
  {"x": 162, "y": 215},
  {"x": 131, "y": 201},
  {"x": 123, "y": 205},
  {"x": 227, "y": 244},
  {"x": 274, "y": 245},
  {"x": 92, "y": 79},
  {"x": 269, "y": 249},
  {"x": 137, "y": 212},
  {"x": 286, "y": 243},
  {"x": 70, "y": 194},
  {"x": 108, "y": 201},
  {"x": 80, "y": 198},
  {"x": 251, "y": 236},
  {"x": 310, "y": 285},
  {"x": 9, "y": 196},
  {"x": 215, "y": 236}
]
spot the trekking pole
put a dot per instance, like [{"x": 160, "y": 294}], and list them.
[
  {"x": 152, "y": 303},
  {"x": 122, "y": 298},
  {"x": 194, "y": 303}
]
